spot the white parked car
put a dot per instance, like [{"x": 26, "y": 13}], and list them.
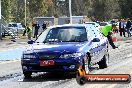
[
  {"x": 103, "y": 24},
  {"x": 16, "y": 27}
]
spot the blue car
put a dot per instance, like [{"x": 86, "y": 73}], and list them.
[{"x": 65, "y": 48}]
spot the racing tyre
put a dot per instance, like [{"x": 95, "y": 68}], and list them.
[
  {"x": 27, "y": 74},
  {"x": 103, "y": 63},
  {"x": 83, "y": 71},
  {"x": 81, "y": 80}
]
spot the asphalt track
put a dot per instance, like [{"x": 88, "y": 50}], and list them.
[{"x": 119, "y": 63}]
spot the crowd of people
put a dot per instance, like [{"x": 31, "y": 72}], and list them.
[
  {"x": 125, "y": 26},
  {"x": 35, "y": 29}
]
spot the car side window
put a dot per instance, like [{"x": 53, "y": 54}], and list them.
[
  {"x": 90, "y": 33},
  {"x": 94, "y": 32},
  {"x": 9, "y": 25},
  {"x": 101, "y": 35},
  {"x": 98, "y": 33}
]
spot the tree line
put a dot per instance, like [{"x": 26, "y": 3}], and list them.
[{"x": 14, "y": 10}]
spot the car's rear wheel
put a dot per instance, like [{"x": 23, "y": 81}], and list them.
[
  {"x": 27, "y": 74},
  {"x": 103, "y": 63}
]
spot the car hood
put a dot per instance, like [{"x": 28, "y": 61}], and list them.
[{"x": 57, "y": 47}]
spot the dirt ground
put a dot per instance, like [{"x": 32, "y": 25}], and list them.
[{"x": 7, "y": 43}]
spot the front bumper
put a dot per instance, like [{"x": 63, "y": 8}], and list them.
[{"x": 60, "y": 65}]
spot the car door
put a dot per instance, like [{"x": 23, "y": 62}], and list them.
[
  {"x": 94, "y": 46},
  {"x": 99, "y": 45},
  {"x": 102, "y": 45}
]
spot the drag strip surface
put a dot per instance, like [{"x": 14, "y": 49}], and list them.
[{"x": 120, "y": 62}]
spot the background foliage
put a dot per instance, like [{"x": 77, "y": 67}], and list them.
[{"x": 13, "y": 10}]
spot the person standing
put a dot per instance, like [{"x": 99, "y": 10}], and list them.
[
  {"x": 128, "y": 27},
  {"x": 47, "y": 24},
  {"x": 29, "y": 32},
  {"x": 114, "y": 27},
  {"x": 24, "y": 32},
  {"x": 122, "y": 27},
  {"x": 36, "y": 28},
  {"x": 44, "y": 26}
]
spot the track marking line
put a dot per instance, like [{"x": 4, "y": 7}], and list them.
[{"x": 7, "y": 62}]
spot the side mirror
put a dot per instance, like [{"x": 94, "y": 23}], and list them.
[
  {"x": 30, "y": 42},
  {"x": 96, "y": 40}
]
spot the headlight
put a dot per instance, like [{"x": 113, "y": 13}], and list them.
[
  {"x": 74, "y": 55},
  {"x": 28, "y": 56}
]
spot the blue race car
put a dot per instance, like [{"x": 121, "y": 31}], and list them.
[{"x": 66, "y": 48}]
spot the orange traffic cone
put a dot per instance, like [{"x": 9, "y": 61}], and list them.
[{"x": 114, "y": 37}]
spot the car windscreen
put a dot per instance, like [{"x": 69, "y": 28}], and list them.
[
  {"x": 63, "y": 34},
  {"x": 14, "y": 25}
]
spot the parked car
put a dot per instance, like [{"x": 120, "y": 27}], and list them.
[
  {"x": 115, "y": 25},
  {"x": 20, "y": 27},
  {"x": 65, "y": 48},
  {"x": 16, "y": 27},
  {"x": 103, "y": 24}
]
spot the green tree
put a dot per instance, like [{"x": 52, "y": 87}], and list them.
[
  {"x": 14, "y": 10},
  {"x": 39, "y": 7},
  {"x": 5, "y": 11},
  {"x": 126, "y": 8},
  {"x": 112, "y": 9}
]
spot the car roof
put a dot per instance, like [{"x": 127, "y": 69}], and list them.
[
  {"x": 70, "y": 25},
  {"x": 91, "y": 22},
  {"x": 12, "y": 23}
]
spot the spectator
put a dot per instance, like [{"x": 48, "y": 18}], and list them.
[
  {"x": 24, "y": 32},
  {"x": 128, "y": 27},
  {"x": 122, "y": 27},
  {"x": 44, "y": 25},
  {"x": 47, "y": 24},
  {"x": 36, "y": 26},
  {"x": 29, "y": 31},
  {"x": 114, "y": 28}
]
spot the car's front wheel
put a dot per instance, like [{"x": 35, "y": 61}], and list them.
[
  {"x": 81, "y": 80},
  {"x": 86, "y": 63},
  {"x": 84, "y": 69},
  {"x": 27, "y": 74}
]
